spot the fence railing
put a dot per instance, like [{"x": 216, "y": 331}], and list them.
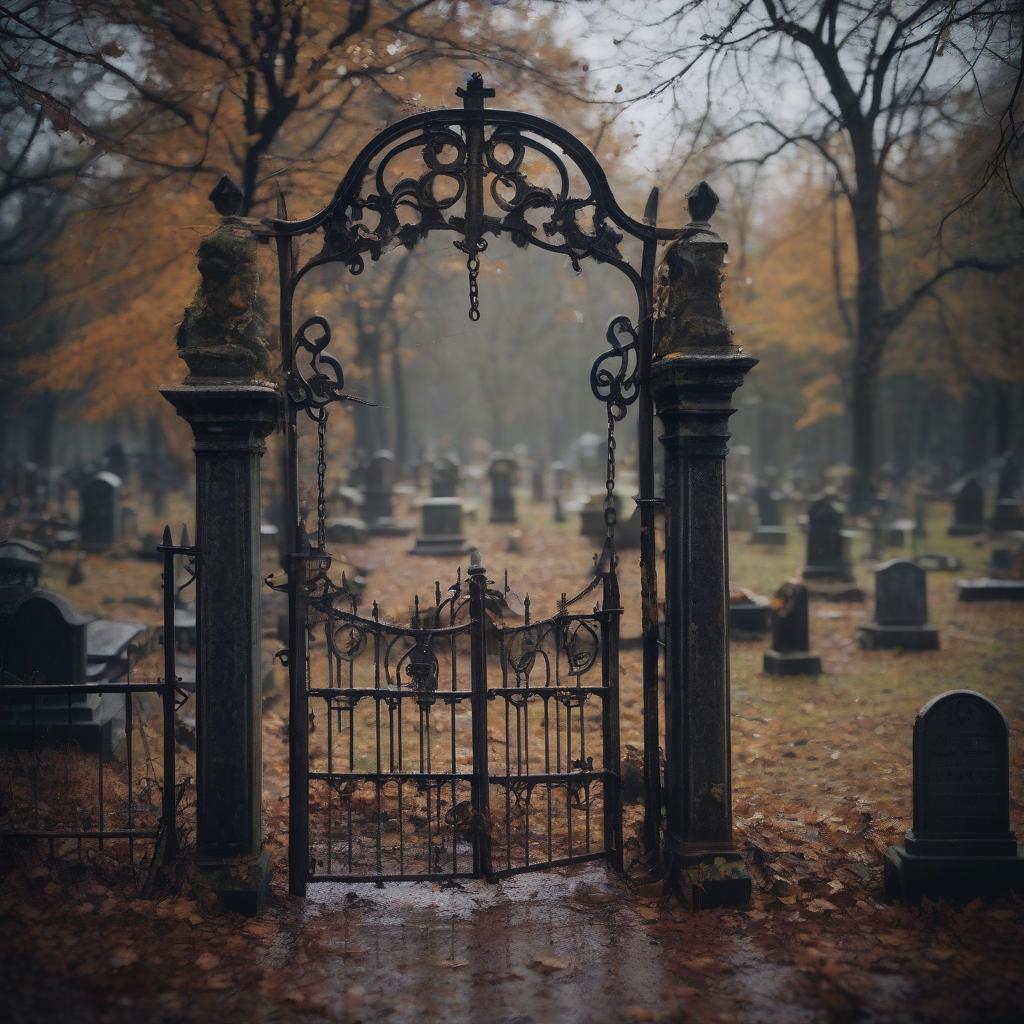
[{"x": 63, "y": 787}]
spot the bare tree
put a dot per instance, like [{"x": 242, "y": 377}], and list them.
[{"x": 864, "y": 86}]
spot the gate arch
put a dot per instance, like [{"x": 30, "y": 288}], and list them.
[{"x": 480, "y": 153}]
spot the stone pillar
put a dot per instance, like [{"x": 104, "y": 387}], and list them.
[
  {"x": 231, "y": 406},
  {"x": 695, "y": 371}
]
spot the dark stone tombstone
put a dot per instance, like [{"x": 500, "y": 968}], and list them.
[
  {"x": 592, "y": 522},
  {"x": 968, "y": 511},
  {"x": 1006, "y": 582},
  {"x": 441, "y": 531},
  {"x": 960, "y": 847},
  {"x": 749, "y": 614},
  {"x": 826, "y": 546},
  {"x": 444, "y": 477},
  {"x": 790, "y": 653},
  {"x": 21, "y": 562},
  {"x": 901, "y": 610},
  {"x": 503, "y": 473},
  {"x": 100, "y": 500},
  {"x": 1009, "y": 511},
  {"x": 345, "y": 530},
  {"x": 117, "y": 460},
  {"x": 769, "y": 528},
  {"x": 378, "y": 489},
  {"x": 44, "y": 641}
]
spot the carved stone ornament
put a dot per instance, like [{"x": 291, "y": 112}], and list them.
[
  {"x": 688, "y": 286},
  {"x": 223, "y": 335}
]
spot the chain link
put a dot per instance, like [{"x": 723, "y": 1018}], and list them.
[
  {"x": 610, "y": 515},
  {"x": 321, "y": 473},
  {"x": 473, "y": 266}
]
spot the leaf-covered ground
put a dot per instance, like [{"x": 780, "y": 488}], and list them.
[{"x": 822, "y": 784}]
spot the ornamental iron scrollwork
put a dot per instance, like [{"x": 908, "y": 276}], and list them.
[
  {"x": 614, "y": 377},
  {"x": 322, "y": 381}
]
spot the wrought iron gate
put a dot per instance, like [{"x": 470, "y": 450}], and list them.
[
  {"x": 354, "y": 677},
  {"x": 458, "y": 746}
]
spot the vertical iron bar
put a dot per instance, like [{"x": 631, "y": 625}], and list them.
[
  {"x": 168, "y": 803},
  {"x": 481, "y": 794},
  {"x": 648, "y": 551},
  {"x": 612, "y": 785}
]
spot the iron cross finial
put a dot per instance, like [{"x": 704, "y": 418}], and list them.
[{"x": 474, "y": 94}]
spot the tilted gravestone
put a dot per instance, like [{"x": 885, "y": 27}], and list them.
[
  {"x": 901, "y": 610},
  {"x": 968, "y": 511},
  {"x": 769, "y": 528},
  {"x": 100, "y": 503},
  {"x": 960, "y": 846},
  {"x": 826, "y": 545},
  {"x": 44, "y": 641},
  {"x": 1009, "y": 511},
  {"x": 790, "y": 654},
  {"x": 441, "y": 531},
  {"x": 504, "y": 473},
  {"x": 444, "y": 477}
]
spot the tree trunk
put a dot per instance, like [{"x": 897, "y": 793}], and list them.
[
  {"x": 401, "y": 412},
  {"x": 1002, "y": 415},
  {"x": 869, "y": 344}
]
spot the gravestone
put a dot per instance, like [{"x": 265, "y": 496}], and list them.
[
  {"x": 441, "y": 530},
  {"x": 378, "y": 502},
  {"x": 968, "y": 511},
  {"x": 769, "y": 529},
  {"x": 345, "y": 530},
  {"x": 1009, "y": 511},
  {"x": 100, "y": 502},
  {"x": 21, "y": 562},
  {"x": 44, "y": 641},
  {"x": 1006, "y": 582},
  {"x": 826, "y": 546},
  {"x": 592, "y": 522},
  {"x": 444, "y": 477},
  {"x": 790, "y": 654},
  {"x": 960, "y": 846},
  {"x": 749, "y": 614},
  {"x": 901, "y": 610},
  {"x": 503, "y": 473}
]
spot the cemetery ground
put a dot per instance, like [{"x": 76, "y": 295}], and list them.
[{"x": 822, "y": 784}]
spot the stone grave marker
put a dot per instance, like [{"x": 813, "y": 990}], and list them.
[
  {"x": 790, "y": 654},
  {"x": 968, "y": 511},
  {"x": 1009, "y": 511},
  {"x": 43, "y": 641},
  {"x": 749, "y": 614},
  {"x": 441, "y": 530},
  {"x": 901, "y": 610},
  {"x": 503, "y": 473},
  {"x": 100, "y": 502},
  {"x": 769, "y": 528},
  {"x": 444, "y": 477},
  {"x": 960, "y": 846},
  {"x": 561, "y": 478},
  {"x": 826, "y": 547},
  {"x": 378, "y": 488},
  {"x": 740, "y": 514},
  {"x": 1006, "y": 582}
]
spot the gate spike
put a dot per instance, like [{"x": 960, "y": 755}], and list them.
[
  {"x": 506, "y": 581},
  {"x": 375, "y": 611},
  {"x": 526, "y": 609},
  {"x": 437, "y": 593},
  {"x": 167, "y": 542},
  {"x": 416, "y": 615},
  {"x": 184, "y": 536}
]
